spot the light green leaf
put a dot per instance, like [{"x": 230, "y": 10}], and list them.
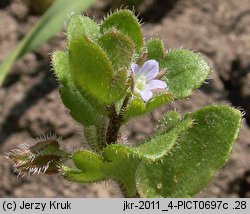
[
  {"x": 80, "y": 109},
  {"x": 60, "y": 64},
  {"x": 88, "y": 167},
  {"x": 138, "y": 107},
  {"x": 50, "y": 23},
  {"x": 126, "y": 22},
  {"x": 135, "y": 108},
  {"x": 92, "y": 72},
  {"x": 120, "y": 162},
  {"x": 158, "y": 101},
  {"x": 168, "y": 120},
  {"x": 194, "y": 159},
  {"x": 118, "y": 47},
  {"x": 79, "y": 25},
  {"x": 186, "y": 71},
  {"x": 156, "y": 51}
]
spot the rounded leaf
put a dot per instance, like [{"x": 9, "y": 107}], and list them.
[
  {"x": 92, "y": 72},
  {"x": 186, "y": 71},
  {"x": 194, "y": 159},
  {"x": 118, "y": 47},
  {"x": 126, "y": 22}
]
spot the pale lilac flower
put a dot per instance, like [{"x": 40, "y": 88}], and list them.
[{"x": 144, "y": 79}]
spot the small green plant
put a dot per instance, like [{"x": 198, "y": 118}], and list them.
[{"x": 109, "y": 75}]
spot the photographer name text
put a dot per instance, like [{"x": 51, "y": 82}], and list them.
[{"x": 42, "y": 206}]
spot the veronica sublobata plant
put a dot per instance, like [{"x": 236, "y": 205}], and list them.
[{"x": 108, "y": 75}]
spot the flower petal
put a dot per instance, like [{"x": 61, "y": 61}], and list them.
[
  {"x": 135, "y": 68},
  {"x": 156, "y": 84},
  {"x": 145, "y": 94},
  {"x": 150, "y": 69}
]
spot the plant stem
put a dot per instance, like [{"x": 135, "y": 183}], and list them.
[
  {"x": 115, "y": 122},
  {"x": 114, "y": 126},
  {"x": 124, "y": 191}
]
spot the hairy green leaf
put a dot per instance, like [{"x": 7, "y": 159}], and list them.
[
  {"x": 138, "y": 107},
  {"x": 120, "y": 162},
  {"x": 186, "y": 71},
  {"x": 156, "y": 51},
  {"x": 118, "y": 47},
  {"x": 168, "y": 120},
  {"x": 88, "y": 167},
  {"x": 92, "y": 72},
  {"x": 79, "y": 25},
  {"x": 196, "y": 156},
  {"x": 126, "y": 22},
  {"x": 60, "y": 64},
  {"x": 80, "y": 109}
]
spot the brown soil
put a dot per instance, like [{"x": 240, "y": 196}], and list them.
[{"x": 30, "y": 104}]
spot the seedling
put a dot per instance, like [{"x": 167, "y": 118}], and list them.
[{"x": 109, "y": 75}]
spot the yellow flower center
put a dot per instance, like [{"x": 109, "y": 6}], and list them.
[{"x": 140, "y": 82}]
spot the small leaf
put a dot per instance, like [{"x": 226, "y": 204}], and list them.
[
  {"x": 80, "y": 108},
  {"x": 154, "y": 148},
  {"x": 118, "y": 47},
  {"x": 138, "y": 107},
  {"x": 158, "y": 101},
  {"x": 89, "y": 164},
  {"x": 126, "y": 22},
  {"x": 168, "y": 120},
  {"x": 186, "y": 71},
  {"x": 135, "y": 108},
  {"x": 92, "y": 167},
  {"x": 48, "y": 147},
  {"x": 158, "y": 146},
  {"x": 121, "y": 166},
  {"x": 196, "y": 156},
  {"x": 92, "y": 71},
  {"x": 79, "y": 25},
  {"x": 155, "y": 50},
  {"x": 60, "y": 63}
]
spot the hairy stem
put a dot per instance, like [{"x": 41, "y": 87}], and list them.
[
  {"x": 91, "y": 137},
  {"x": 124, "y": 191},
  {"x": 115, "y": 122},
  {"x": 102, "y": 132}
]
